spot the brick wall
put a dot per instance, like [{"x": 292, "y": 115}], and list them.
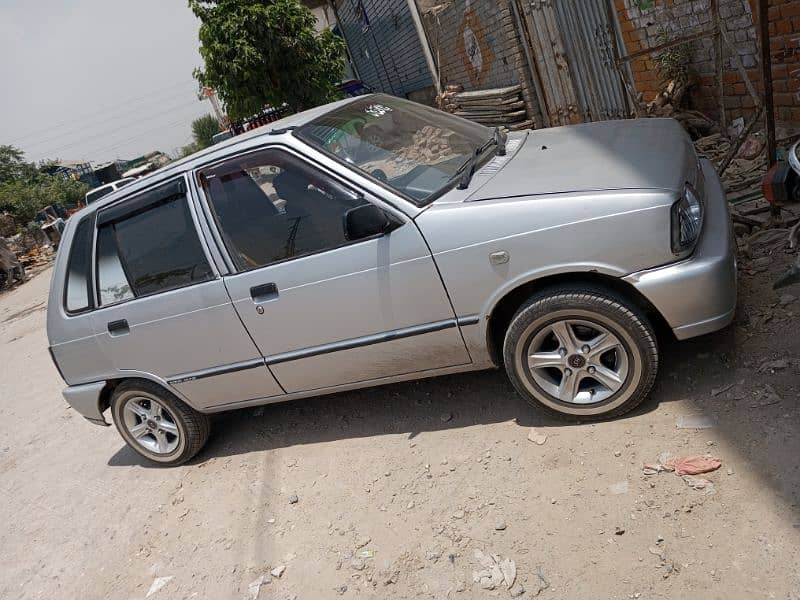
[
  {"x": 644, "y": 24},
  {"x": 784, "y": 42},
  {"x": 502, "y": 58}
]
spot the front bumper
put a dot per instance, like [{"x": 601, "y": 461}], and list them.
[
  {"x": 86, "y": 400},
  {"x": 698, "y": 295}
]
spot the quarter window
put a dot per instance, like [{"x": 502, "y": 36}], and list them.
[
  {"x": 77, "y": 292},
  {"x": 271, "y": 207},
  {"x": 153, "y": 249}
]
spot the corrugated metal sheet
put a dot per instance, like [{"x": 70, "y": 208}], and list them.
[
  {"x": 586, "y": 34},
  {"x": 541, "y": 33},
  {"x": 385, "y": 45}
]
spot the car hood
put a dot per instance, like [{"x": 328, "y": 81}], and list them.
[{"x": 609, "y": 155}]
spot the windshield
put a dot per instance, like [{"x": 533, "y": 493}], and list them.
[{"x": 415, "y": 149}]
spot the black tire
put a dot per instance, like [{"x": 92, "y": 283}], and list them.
[
  {"x": 592, "y": 305},
  {"x": 192, "y": 427}
]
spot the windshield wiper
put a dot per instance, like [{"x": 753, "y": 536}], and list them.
[{"x": 467, "y": 169}]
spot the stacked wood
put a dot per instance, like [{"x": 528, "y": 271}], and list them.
[{"x": 493, "y": 107}]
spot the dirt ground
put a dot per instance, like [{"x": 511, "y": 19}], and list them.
[{"x": 388, "y": 492}]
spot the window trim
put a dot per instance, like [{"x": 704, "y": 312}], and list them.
[
  {"x": 124, "y": 211},
  {"x": 216, "y": 229},
  {"x": 91, "y": 219}
]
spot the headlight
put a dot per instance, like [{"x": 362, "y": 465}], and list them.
[{"x": 687, "y": 220}]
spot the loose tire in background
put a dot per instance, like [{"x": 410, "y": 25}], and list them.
[
  {"x": 156, "y": 424},
  {"x": 581, "y": 352}
]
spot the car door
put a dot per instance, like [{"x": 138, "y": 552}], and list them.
[
  {"x": 163, "y": 310},
  {"x": 325, "y": 310}
]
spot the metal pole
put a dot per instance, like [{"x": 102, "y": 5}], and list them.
[
  {"x": 426, "y": 48},
  {"x": 766, "y": 79},
  {"x": 723, "y": 121}
]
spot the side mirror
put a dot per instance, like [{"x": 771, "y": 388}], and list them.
[{"x": 365, "y": 221}]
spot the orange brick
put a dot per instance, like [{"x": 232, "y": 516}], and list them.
[
  {"x": 796, "y": 115},
  {"x": 782, "y": 27}
]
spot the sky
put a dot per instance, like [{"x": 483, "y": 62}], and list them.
[{"x": 97, "y": 80}]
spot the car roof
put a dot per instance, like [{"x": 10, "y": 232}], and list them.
[{"x": 184, "y": 164}]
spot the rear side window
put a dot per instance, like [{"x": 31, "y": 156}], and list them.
[
  {"x": 77, "y": 294},
  {"x": 153, "y": 248},
  {"x": 95, "y": 195}
]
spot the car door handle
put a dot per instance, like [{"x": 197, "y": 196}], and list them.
[
  {"x": 264, "y": 292},
  {"x": 120, "y": 327}
]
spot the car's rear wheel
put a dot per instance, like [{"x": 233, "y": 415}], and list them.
[
  {"x": 156, "y": 424},
  {"x": 581, "y": 352}
]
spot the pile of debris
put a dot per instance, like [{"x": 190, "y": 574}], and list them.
[
  {"x": 667, "y": 103},
  {"x": 493, "y": 107}
]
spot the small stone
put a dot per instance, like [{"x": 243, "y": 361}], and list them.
[
  {"x": 357, "y": 564},
  {"x": 517, "y": 591},
  {"x": 293, "y": 499},
  {"x": 509, "y": 570},
  {"x": 553, "y": 500},
  {"x": 271, "y": 521},
  {"x": 617, "y": 453},
  {"x": 730, "y": 471},
  {"x": 762, "y": 263},
  {"x": 537, "y": 437},
  {"x": 619, "y": 530},
  {"x": 340, "y": 590},
  {"x": 459, "y": 514},
  {"x": 410, "y": 505},
  {"x": 445, "y": 417},
  {"x": 278, "y": 571},
  {"x": 500, "y": 526},
  {"x": 461, "y": 586},
  {"x": 786, "y": 299}
]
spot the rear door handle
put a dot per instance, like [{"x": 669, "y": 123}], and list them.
[
  {"x": 118, "y": 327},
  {"x": 264, "y": 292}
]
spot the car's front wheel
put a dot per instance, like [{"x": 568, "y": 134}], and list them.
[
  {"x": 581, "y": 352},
  {"x": 156, "y": 424}
]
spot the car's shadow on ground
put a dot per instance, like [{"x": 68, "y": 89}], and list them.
[
  {"x": 693, "y": 370},
  {"x": 436, "y": 404}
]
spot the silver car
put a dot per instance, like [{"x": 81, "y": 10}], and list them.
[{"x": 375, "y": 240}]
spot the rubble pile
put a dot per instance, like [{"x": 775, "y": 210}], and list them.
[{"x": 493, "y": 107}]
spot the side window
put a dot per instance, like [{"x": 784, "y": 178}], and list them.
[
  {"x": 152, "y": 248},
  {"x": 77, "y": 297},
  {"x": 271, "y": 207}
]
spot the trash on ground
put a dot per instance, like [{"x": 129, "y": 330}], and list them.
[
  {"x": 158, "y": 583},
  {"x": 495, "y": 571},
  {"x": 693, "y": 465}
]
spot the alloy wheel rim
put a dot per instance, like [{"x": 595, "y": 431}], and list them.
[
  {"x": 577, "y": 362},
  {"x": 151, "y": 425}
]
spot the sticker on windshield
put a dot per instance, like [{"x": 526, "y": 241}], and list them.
[{"x": 377, "y": 110}]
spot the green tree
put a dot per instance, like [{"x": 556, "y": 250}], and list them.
[
  {"x": 266, "y": 52},
  {"x": 24, "y": 190},
  {"x": 13, "y": 165},
  {"x": 203, "y": 131}
]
